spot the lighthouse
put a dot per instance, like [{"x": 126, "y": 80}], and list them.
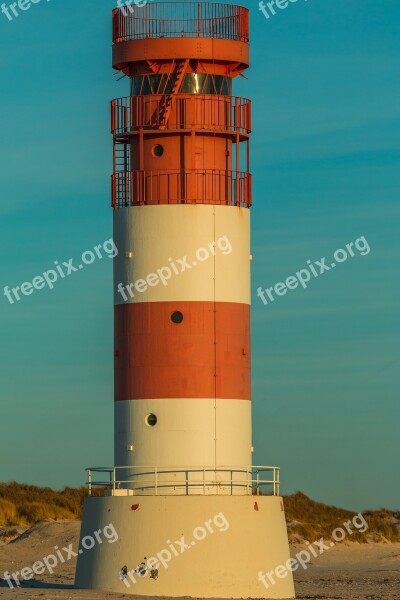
[{"x": 181, "y": 198}]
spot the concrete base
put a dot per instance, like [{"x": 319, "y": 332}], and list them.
[{"x": 202, "y": 546}]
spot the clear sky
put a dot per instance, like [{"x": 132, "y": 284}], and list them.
[{"x": 325, "y": 158}]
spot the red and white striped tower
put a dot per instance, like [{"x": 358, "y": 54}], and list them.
[
  {"x": 182, "y": 345},
  {"x": 181, "y": 194}
]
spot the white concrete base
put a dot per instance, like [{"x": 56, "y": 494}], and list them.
[{"x": 242, "y": 535}]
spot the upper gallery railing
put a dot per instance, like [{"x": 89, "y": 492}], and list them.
[{"x": 181, "y": 19}]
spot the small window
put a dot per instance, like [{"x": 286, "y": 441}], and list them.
[
  {"x": 177, "y": 317},
  {"x": 158, "y": 150},
  {"x": 151, "y": 420}
]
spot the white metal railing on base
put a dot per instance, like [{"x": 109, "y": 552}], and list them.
[{"x": 152, "y": 480}]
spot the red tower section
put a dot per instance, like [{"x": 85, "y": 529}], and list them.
[{"x": 177, "y": 138}]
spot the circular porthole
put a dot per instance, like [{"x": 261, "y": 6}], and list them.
[
  {"x": 151, "y": 420},
  {"x": 158, "y": 150},
  {"x": 177, "y": 317}
]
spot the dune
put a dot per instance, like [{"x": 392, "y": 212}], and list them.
[
  {"x": 347, "y": 571},
  {"x": 357, "y": 568}
]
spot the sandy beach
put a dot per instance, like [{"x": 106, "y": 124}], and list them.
[{"x": 348, "y": 572}]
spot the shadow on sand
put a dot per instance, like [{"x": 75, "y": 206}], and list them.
[{"x": 28, "y": 585}]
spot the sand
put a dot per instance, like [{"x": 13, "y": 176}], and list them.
[{"x": 348, "y": 572}]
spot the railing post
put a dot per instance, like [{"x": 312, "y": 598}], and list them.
[
  {"x": 250, "y": 124},
  {"x": 150, "y": 194},
  {"x": 128, "y": 188},
  {"x": 198, "y": 19},
  {"x": 114, "y": 476},
  {"x": 237, "y": 203},
  {"x": 258, "y": 482},
  {"x": 134, "y": 118},
  {"x": 250, "y": 190},
  {"x": 187, "y": 482},
  {"x": 89, "y": 481},
  {"x": 190, "y": 190},
  {"x": 156, "y": 479}
]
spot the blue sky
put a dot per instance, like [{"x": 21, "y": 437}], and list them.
[{"x": 325, "y": 160}]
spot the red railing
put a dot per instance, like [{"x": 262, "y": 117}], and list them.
[
  {"x": 207, "y": 112},
  {"x": 181, "y": 19},
  {"x": 196, "y": 186}
]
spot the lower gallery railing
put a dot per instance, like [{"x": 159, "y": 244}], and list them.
[
  {"x": 145, "y": 480},
  {"x": 197, "y": 186}
]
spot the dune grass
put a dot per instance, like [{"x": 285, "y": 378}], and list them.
[
  {"x": 24, "y": 505},
  {"x": 310, "y": 520}
]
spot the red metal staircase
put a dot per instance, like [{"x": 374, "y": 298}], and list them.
[{"x": 166, "y": 103}]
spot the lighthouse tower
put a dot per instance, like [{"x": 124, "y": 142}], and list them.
[{"x": 181, "y": 198}]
